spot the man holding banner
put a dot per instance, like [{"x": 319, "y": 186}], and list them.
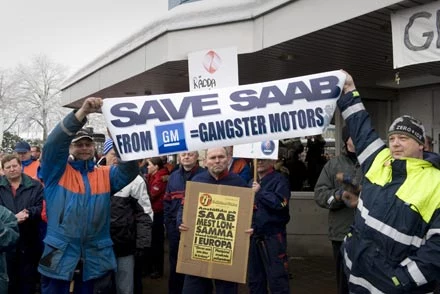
[
  {"x": 394, "y": 244},
  {"x": 268, "y": 262},
  {"x": 216, "y": 173}
]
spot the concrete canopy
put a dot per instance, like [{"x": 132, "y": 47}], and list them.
[{"x": 276, "y": 39}]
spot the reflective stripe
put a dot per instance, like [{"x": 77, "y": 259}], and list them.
[
  {"x": 348, "y": 262},
  {"x": 65, "y": 130},
  {"x": 373, "y": 147},
  {"x": 405, "y": 261},
  {"x": 364, "y": 283},
  {"x": 415, "y": 273},
  {"x": 352, "y": 109},
  {"x": 431, "y": 233},
  {"x": 386, "y": 229},
  {"x": 330, "y": 200}
]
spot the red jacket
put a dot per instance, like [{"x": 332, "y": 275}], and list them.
[{"x": 157, "y": 184}]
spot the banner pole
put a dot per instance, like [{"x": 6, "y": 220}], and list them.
[{"x": 255, "y": 169}]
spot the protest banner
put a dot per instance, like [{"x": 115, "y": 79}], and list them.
[
  {"x": 147, "y": 126},
  {"x": 216, "y": 244},
  {"x": 416, "y": 34}
]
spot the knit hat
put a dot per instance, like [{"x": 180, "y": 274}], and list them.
[
  {"x": 409, "y": 126},
  {"x": 108, "y": 145},
  {"x": 82, "y": 134}
]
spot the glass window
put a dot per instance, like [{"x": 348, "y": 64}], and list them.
[{"x": 305, "y": 157}]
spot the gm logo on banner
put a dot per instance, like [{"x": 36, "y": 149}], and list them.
[{"x": 171, "y": 138}]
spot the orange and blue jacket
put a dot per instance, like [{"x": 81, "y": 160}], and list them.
[{"x": 77, "y": 197}]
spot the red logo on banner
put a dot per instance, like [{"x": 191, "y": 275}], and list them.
[
  {"x": 205, "y": 199},
  {"x": 212, "y": 62}
]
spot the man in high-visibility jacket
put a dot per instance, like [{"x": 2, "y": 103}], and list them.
[{"x": 394, "y": 244}]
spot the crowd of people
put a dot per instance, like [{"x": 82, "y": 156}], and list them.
[{"x": 72, "y": 224}]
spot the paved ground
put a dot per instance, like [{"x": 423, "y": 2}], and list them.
[{"x": 309, "y": 275}]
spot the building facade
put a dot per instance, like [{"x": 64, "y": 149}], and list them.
[{"x": 275, "y": 39}]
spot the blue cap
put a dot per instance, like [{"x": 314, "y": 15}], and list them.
[
  {"x": 108, "y": 145},
  {"x": 22, "y": 147}
]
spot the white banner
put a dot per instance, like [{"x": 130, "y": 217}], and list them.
[
  {"x": 146, "y": 126},
  {"x": 416, "y": 35},
  {"x": 212, "y": 68}
]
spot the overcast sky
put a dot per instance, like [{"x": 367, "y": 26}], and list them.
[{"x": 71, "y": 33}]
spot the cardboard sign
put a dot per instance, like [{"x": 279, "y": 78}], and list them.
[{"x": 216, "y": 245}]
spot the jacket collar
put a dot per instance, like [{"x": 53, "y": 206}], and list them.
[
  {"x": 26, "y": 181},
  {"x": 83, "y": 166}
]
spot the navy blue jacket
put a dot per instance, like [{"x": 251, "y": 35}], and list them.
[
  {"x": 394, "y": 243},
  {"x": 271, "y": 205},
  {"x": 175, "y": 191}
]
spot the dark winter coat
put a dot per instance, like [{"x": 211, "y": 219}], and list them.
[{"x": 131, "y": 218}]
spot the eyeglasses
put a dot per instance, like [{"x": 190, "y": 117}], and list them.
[{"x": 81, "y": 145}]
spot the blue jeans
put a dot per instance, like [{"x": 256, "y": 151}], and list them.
[{"x": 124, "y": 275}]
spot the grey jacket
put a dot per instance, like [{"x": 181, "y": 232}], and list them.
[
  {"x": 8, "y": 237},
  {"x": 340, "y": 217}
]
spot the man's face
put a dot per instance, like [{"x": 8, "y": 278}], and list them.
[
  {"x": 83, "y": 149},
  {"x": 110, "y": 157},
  {"x": 12, "y": 169},
  {"x": 263, "y": 165},
  {"x": 404, "y": 146},
  {"x": 188, "y": 159},
  {"x": 35, "y": 153},
  {"x": 24, "y": 155},
  {"x": 216, "y": 160}
]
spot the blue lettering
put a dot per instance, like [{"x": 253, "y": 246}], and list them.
[
  {"x": 320, "y": 119},
  {"x": 302, "y": 121},
  {"x": 229, "y": 129},
  {"x": 320, "y": 89},
  {"x": 157, "y": 109},
  {"x": 122, "y": 110},
  {"x": 250, "y": 102},
  {"x": 324, "y": 88},
  {"x": 287, "y": 121},
  {"x": 134, "y": 142}
]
